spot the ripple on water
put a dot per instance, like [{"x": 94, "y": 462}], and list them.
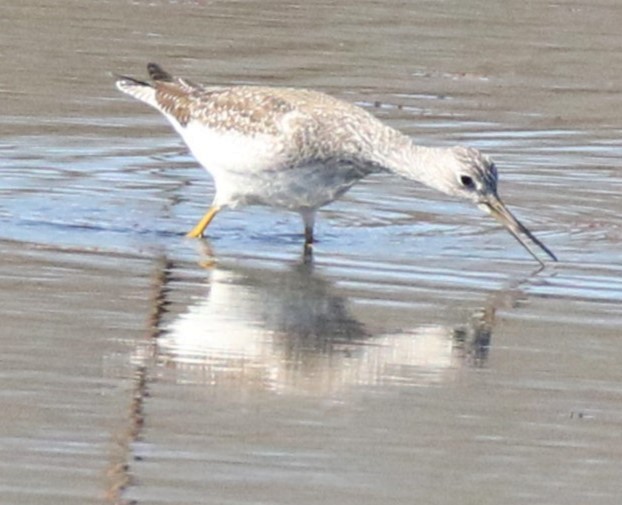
[{"x": 421, "y": 358}]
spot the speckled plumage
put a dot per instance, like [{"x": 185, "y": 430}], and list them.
[
  {"x": 313, "y": 125},
  {"x": 300, "y": 149}
]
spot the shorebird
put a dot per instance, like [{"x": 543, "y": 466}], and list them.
[{"x": 299, "y": 149}]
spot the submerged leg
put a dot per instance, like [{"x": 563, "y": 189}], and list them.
[
  {"x": 198, "y": 230},
  {"x": 307, "y": 254}
]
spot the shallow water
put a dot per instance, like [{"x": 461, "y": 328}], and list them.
[{"x": 420, "y": 357}]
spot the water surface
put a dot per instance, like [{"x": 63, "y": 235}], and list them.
[{"x": 422, "y": 356}]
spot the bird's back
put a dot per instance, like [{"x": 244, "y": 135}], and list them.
[{"x": 310, "y": 122}]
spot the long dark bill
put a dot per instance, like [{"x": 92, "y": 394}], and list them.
[{"x": 500, "y": 212}]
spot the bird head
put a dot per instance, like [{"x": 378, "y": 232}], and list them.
[{"x": 469, "y": 174}]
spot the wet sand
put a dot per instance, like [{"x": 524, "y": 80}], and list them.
[{"x": 420, "y": 357}]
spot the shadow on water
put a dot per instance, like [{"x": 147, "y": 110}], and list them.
[
  {"x": 119, "y": 474},
  {"x": 291, "y": 328}
]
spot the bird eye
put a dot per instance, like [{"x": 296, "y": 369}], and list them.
[{"x": 467, "y": 181}]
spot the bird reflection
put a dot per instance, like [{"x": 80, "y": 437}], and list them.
[{"x": 289, "y": 328}]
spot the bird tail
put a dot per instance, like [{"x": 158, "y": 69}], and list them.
[
  {"x": 141, "y": 90},
  {"x": 170, "y": 95}
]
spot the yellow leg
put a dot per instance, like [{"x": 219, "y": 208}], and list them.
[{"x": 198, "y": 230}]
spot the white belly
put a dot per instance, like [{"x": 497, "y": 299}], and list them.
[{"x": 261, "y": 170}]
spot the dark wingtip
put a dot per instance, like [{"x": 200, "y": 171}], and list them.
[{"x": 157, "y": 73}]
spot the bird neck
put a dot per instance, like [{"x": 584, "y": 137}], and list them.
[{"x": 401, "y": 156}]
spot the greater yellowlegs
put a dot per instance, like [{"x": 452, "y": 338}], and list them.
[{"x": 299, "y": 149}]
